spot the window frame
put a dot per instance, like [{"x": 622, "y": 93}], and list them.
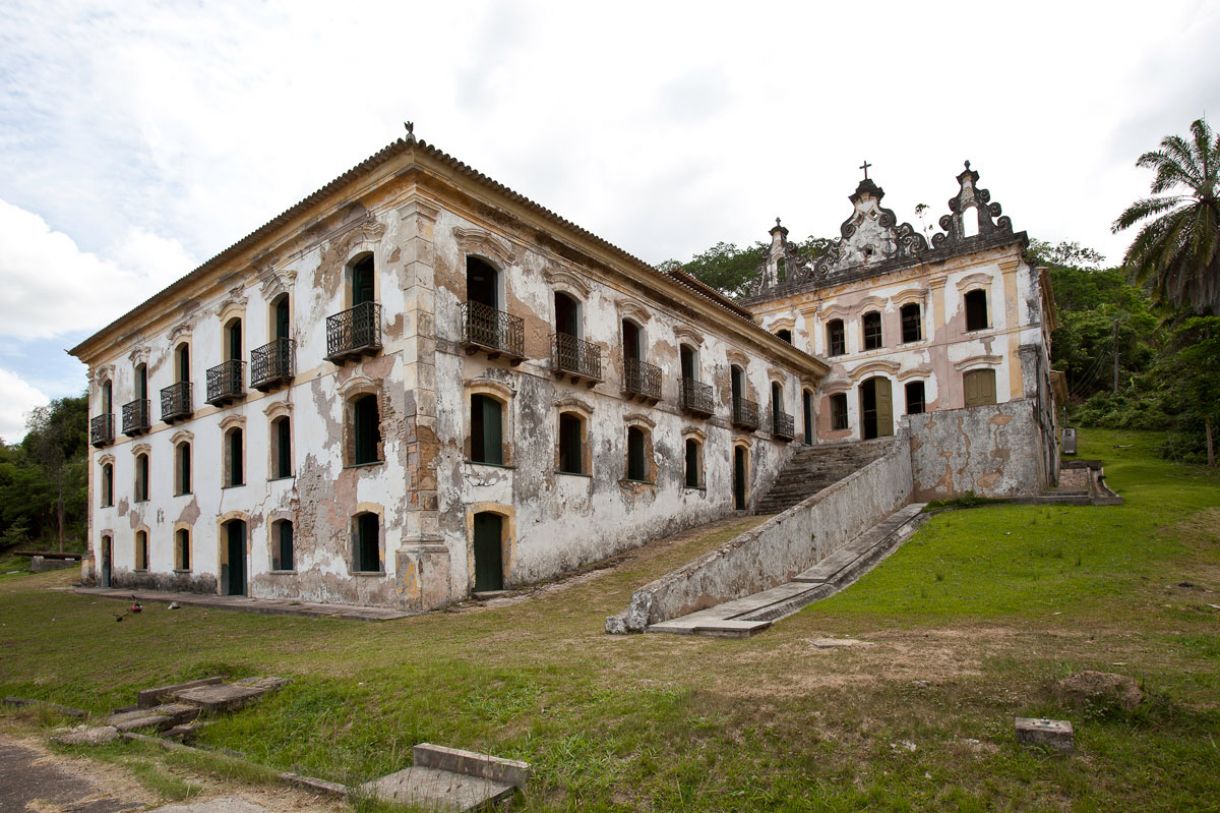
[
  {"x": 836, "y": 338},
  {"x": 872, "y": 333},
  {"x": 839, "y": 416}
]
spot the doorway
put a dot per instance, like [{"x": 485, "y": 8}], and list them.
[
  {"x": 106, "y": 559},
  {"x": 233, "y": 570},
  {"x": 488, "y": 552},
  {"x": 876, "y": 408},
  {"x": 739, "y": 478}
]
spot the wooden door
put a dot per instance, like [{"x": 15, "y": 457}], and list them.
[
  {"x": 236, "y": 550},
  {"x": 739, "y": 478},
  {"x": 106, "y": 554},
  {"x": 885, "y": 407},
  {"x": 488, "y": 557}
]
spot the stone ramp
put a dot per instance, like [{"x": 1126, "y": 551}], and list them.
[
  {"x": 752, "y": 614},
  {"x": 812, "y": 468}
]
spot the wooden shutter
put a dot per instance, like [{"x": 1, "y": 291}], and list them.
[
  {"x": 980, "y": 387},
  {"x": 885, "y": 407},
  {"x": 493, "y": 439}
]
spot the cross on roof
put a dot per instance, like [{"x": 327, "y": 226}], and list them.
[{"x": 865, "y": 167}]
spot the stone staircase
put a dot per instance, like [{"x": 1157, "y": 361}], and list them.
[{"x": 812, "y": 468}]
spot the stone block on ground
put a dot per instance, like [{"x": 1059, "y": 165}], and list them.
[
  {"x": 472, "y": 763},
  {"x": 1056, "y": 734},
  {"x": 87, "y": 735},
  {"x": 142, "y": 718},
  {"x": 156, "y": 696}
]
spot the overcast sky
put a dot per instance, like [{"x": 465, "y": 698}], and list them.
[{"x": 138, "y": 139}]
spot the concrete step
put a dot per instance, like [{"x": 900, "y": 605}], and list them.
[
  {"x": 448, "y": 779},
  {"x": 752, "y": 614}
]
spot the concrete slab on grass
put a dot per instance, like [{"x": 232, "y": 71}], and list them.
[{"x": 434, "y": 789}]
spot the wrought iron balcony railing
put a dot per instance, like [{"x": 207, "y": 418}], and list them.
[
  {"x": 354, "y": 332},
  {"x": 176, "y": 402},
  {"x": 492, "y": 331},
  {"x": 271, "y": 365},
  {"x": 101, "y": 429},
  {"x": 225, "y": 382},
  {"x": 576, "y": 358},
  {"x": 135, "y": 417},
  {"x": 641, "y": 380},
  {"x": 697, "y": 397},
  {"x": 782, "y": 425},
  {"x": 745, "y": 414}
]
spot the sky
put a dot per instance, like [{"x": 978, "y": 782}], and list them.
[{"x": 138, "y": 139}]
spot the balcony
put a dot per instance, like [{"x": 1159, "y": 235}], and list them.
[
  {"x": 135, "y": 417},
  {"x": 353, "y": 333},
  {"x": 494, "y": 332},
  {"x": 225, "y": 383},
  {"x": 577, "y": 358},
  {"x": 101, "y": 429},
  {"x": 641, "y": 380},
  {"x": 271, "y": 366},
  {"x": 176, "y": 402},
  {"x": 745, "y": 414},
  {"x": 782, "y": 425},
  {"x": 697, "y": 398}
]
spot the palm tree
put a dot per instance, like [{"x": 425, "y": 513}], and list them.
[{"x": 1178, "y": 248}]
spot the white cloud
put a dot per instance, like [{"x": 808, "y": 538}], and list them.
[
  {"x": 48, "y": 286},
  {"x": 17, "y": 399}
]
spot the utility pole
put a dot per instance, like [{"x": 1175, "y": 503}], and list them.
[{"x": 1115, "y": 340}]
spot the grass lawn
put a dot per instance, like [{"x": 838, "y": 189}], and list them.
[{"x": 966, "y": 626}]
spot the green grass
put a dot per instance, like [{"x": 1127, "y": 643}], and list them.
[{"x": 969, "y": 624}]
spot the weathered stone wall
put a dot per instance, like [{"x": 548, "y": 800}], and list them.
[
  {"x": 992, "y": 451},
  {"x": 782, "y": 547}
]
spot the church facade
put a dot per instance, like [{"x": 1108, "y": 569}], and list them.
[{"x": 417, "y": 384}]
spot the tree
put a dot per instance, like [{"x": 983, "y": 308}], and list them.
[
  {"x": 1177, "y": 250},
  {"x": 56, "y": 441},
  {"x": 1192, "y": 376}
]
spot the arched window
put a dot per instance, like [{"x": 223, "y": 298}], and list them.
[
  {"x": 741, "y": 478},
  {"x": 232, "y": 340},
  {"x": 366, "y": 543},
  {"x": 282, "y": 544},
  {"x": 638, "y": 454},
  {"x": 182, "y": 468},
  {"x": 107, "y": 485},
  {"x": 281, "y": 447},
  {"x": 567, "y": 315},
  {"x": 912, "y": 323},
  {"x": 365, "y": 430},
  {"x": 915, "y": 397},
  {"x": 976, "y": 310},
  {"x": 182, "y": 362},
  {"x": 785, "y": 334},
  {"x": 838, "y": 411},
  {"x": 182, "y": 549},
  {"x": 871, "y": 323},
  {"x": 486, "y": 429},
  {"x": 571, "y": 443},
  {"x": 141, "y": 562},
  {"x": 234, "y": 457},
  {"x": 690, "y": 362},
  {"x": 694, "y": 463},
  {"x": 141, "y": 485},
  {"x": 836, "y": 338},
  {"x": 980, "y": 387}
]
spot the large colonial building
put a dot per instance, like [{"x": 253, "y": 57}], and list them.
[{"x": 416, "y": 384}]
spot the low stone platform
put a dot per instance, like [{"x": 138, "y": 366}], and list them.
[
  {"x": 748, "y": 616},
  {"x": 447, "y": 779},
  {"x": 220, "y": 697},
  {"x": 265, "y": 606}
]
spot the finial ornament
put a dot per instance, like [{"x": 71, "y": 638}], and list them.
[
  {"x": 410, "y": 125},
  {"x": 967, "y": 165},
  {"x": 777, "y": 221},
  {"x": 865, "y": 167}
]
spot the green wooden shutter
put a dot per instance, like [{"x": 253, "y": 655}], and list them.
[
  {"x": 493, "y": 440},
  {"x": 885, "y": 408}
]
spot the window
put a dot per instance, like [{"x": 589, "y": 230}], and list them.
[
  {"x": 234, "y": 443},
  {"x": 486, "y": 430},
  {"x": 872, "y": 330},
  {"x": 282, "y": 544},
  {"x": 281, "y": 447},
  {"x": 182, "y": 549},
  {"x": 915, "y": 398},
  {"x": 784, "y": 334},
  {"x": 807, "y": 415},
  {"x": 182, "y": 468},
  {"x": 107, "y": 398},
  {"x": 362, "y": 279},
  {"x": 976, "y": 310},
  {"x": 366, "y": 430},
  {"x": 694, "y": 464},
  {"x": 567, "y": 315},
  {"x": 141, "y": 382},
  {"x": 280, "y": 327},
  {"x": 571, "y": 443},
  {"x": 141, "y": 485},
  {"x": 980, "y": 387},
  {"x": 482, "y": 285},
  {"x": 737, "y": 384},
  {"x": 838, "y": 411},
  {"x": 232, "y": 340},
  {"x": 637, "y": 464},
  {"x": 366, "y": 553},
  {"x": 777, "y": 402},
  {"x": 912, "y": 324},
  {"x": 631, "y": 341},
  {"x": 970, "y": 221},
  {"x": 141, "y": 550},
  {"x": 107, "y": 485},
  {"x": 689, "y": 362},
  {"x": 836, "y": 338},
  {"x": 182, "y": 362}
]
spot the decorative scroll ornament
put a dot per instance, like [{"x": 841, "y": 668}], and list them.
[{"x": 971, "y": 200}]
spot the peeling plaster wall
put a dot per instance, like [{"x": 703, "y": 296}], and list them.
[
  {"x": 993, "y": 451},
  {"x": 778, "y": 550}
]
